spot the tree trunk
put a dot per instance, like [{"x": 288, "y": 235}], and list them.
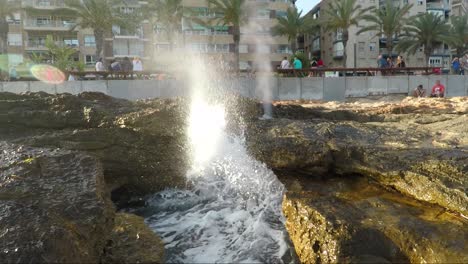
[
  {"x": 3, "y": 36},
  {"x": 99, "y": 39},
  {"x": 345, "y": 43},
  {"x": 390, "y": 46},
  {"x": 236, "y": 36},
  {"x": 293, "y": 47},
  {"x": 4, "y": 64}
]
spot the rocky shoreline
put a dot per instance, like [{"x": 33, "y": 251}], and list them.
[
  {"x": 66, "y": 157},
  {"x": 367, "y": 181},
  {"x": 378, "y": 182}
]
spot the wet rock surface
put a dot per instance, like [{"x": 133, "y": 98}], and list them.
[
  {"x": 131, "y": 241},
  {"x": 142, "y": 145},
  {"x": 354, "y": 221},
  {"x": 415, "y": 154},
  {"x": 54, "y": 206},
  {"x": 425, "y": 160},
  {"x": 65, "y": 156}
]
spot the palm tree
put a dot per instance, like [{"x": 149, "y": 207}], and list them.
[
  {"x": 293, "y": 25},
  {"x": 7, "y": 8},
  {"x": 100, "y": 16},
  {"x": 427, "y": 31},
  {"x": 459, "y": 32},
  {"x": 341, "y": 15},
  {"x": 60, "y": 55},
  {"x": 388, "y": 21},
  {"x": 166, "y": 15},
  {"x": 235, "y": 15}
]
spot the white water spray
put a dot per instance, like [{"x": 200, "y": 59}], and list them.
[{"x": 233, "y": 212}]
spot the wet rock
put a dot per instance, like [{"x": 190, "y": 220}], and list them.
[
  {"x": 142, "y": 145},
  {"x": 53, "y": 206},
  {"x": 352, "y": 221},
  {"x": 424, "y": 160},
  {"x": 131, "y": 241}
]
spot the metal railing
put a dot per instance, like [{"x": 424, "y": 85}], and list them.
[
  {"x": 361, "y": 71},
  {"x": 50, "y": 23}
]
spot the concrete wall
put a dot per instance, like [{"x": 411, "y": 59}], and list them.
[{"x": 317, "y": 88}]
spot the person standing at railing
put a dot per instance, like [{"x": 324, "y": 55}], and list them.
[
  {"x": 297, "y": 64},
  {"x": 285, "y": 64},
  {"x": 100, "y": 66},
  {"x": 137, "y": 65},
  {"x": 381, "y": 63},
  {"x": 320, "y": 63},
  {"x": 400, "y": 62},
  {"x": 456, "y": 66}
]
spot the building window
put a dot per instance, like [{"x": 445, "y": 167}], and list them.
[
  {"x": 338, "y": 49},
  {"x": 15, "y": 39},
  {"x": 243, "y": 48},
  {"x": 420, "y": 2},
  {"x": 372, "y": 46},
  {"x": 263, "y": 49},
  {"x": 361, "y": 46},
  {"x": 16, "y": 19},
  {"x": 43, "y": 21},
  {"x": 71, "y": 42},
  {"x": 162, "y": 47},
  {"x": 281, "y": 13},
  {"x": 209, "y": 48},
  {"x": 284, "y": 49},
  {"x": 89, "y": 41},
  {"x": 90, "y": 59},
  {"x": 263, "y": 14}
]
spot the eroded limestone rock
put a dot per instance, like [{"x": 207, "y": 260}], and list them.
[
  {"x": 54, "y": 206},
  {"x": 353, "y": 221},
  {"x": 425, "y": 160},
  {"x": 142, "y": 145},
  {"x": 132, "y": 241}
]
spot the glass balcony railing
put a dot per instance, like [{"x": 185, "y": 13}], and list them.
[
  {"x": 49, "y": 24},
  {"x": 439, "y": 5},
  {"x": 44, "y": 4}
]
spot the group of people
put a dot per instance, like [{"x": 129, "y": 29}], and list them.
[
  {"x": 388, "y": 62},
  {"x": 460, "y": 65},
  {"x": 125, "y": 66},
  {"x": 438, "y": 90},
  {"x": 298, "y": 65}
]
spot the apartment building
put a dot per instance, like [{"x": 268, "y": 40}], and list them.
[
  {"x": 459, "y": 7},
  {"x": 215, "y": 40},
  {"x": 363, "y": 49},
  {"x": 28, "y": 32}
]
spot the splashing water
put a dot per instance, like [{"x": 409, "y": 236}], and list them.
[{"x": 232, "y": 214}]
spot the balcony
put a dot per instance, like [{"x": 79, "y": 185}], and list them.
[
  {"x": 40, "y": 44},
  {"x": 35, "y": 45},
  {"x": 438, "y": 6},
  {"x": 441, "y": 52},
  {"x": 44, "y": 4},
  {"x": 49, "y": 25}
]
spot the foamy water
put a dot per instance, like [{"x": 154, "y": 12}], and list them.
[{"x": 232, "y": 213}]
